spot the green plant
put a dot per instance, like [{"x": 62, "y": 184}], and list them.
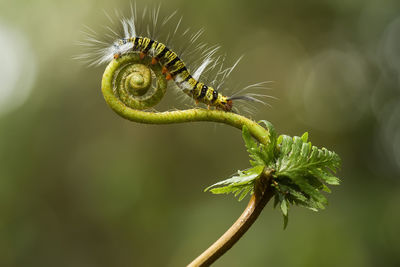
[
  {"x": 298, "y": 170},
  {"x": 289, "y": 169}
]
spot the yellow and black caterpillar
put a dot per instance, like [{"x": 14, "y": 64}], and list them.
[{"x": 174, "y": 68}]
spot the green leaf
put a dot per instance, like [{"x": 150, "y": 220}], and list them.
[
  {"x": 259, "y": 153},
  {"x": 284, "y": 207},
  {"x": 271, "y": 130},
  {"x": 285, "y": 221},
  {"x": 302, "y": 172},
  {"x": 332, "y": 180},
  {"x": 304, "y": 137},
  {"x": 301, "y": 159},
  {"x": 253, "y": 148},
  {"x": 239, "y": 185}
]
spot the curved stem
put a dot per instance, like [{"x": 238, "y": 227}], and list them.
[
  {"x": 262, "y": 194},
  {"x": 179, "y": 116}
]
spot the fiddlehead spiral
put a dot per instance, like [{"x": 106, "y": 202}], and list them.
[{"x": 132, "y": 83}]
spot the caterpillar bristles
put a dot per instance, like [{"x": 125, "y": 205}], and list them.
[{"x": 148, "y": 37}]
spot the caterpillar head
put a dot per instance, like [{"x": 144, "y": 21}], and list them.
[
  {"x": 225, "y": 104},
  {"x": 228, "y": 105},
  {"x": 120, "y": 47}
]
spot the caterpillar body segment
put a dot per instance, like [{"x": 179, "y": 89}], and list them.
[{"x": 174, "y": 68}]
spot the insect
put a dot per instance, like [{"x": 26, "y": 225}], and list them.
[{"x": 173, "y": 67}]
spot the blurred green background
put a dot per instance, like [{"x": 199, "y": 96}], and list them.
[{"x": 80, "y": 186}]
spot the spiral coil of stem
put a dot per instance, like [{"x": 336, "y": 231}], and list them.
[{"x": 132, "y": 82}]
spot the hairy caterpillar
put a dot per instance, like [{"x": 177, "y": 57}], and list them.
[{"x": 173, "y": 67}]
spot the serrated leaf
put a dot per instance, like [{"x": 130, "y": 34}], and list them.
[
  {"x": 244, "y": 192},
  {"x": 255, "y": 150},
  {"x": 239, "y": 185},
  {"x": 304, "y": 137},
  {"x": 271, "y": 130},
  {"x": 285, "y": 221},
  {"x": 279, "y": 140},
  {"x": 302, "y": 172},
  {"x": 284, "y": 207},
  {"x": 332, "y": 180},
  {"x": 259, "y": 153},
  {"x": 298, "y": 198},
  {"x": 326, "y": 188},
  {"x": 298, "y": 158}
]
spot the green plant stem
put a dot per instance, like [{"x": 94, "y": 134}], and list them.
[
  {"x": 262, "y": 194},
  {"x": 179, "y": 116}
]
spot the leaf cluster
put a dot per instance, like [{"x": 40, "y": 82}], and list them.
[{"x": 300, "y": 171}]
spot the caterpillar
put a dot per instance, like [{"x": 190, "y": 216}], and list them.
[{"x": 173, "y": 67}]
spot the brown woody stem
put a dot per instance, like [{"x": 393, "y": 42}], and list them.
[{"x": 262, "y": 194}]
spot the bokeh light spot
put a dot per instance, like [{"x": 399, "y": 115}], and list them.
[
  {"x": 17, "y": 71},
  {"x": 333, "y": 84}
]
